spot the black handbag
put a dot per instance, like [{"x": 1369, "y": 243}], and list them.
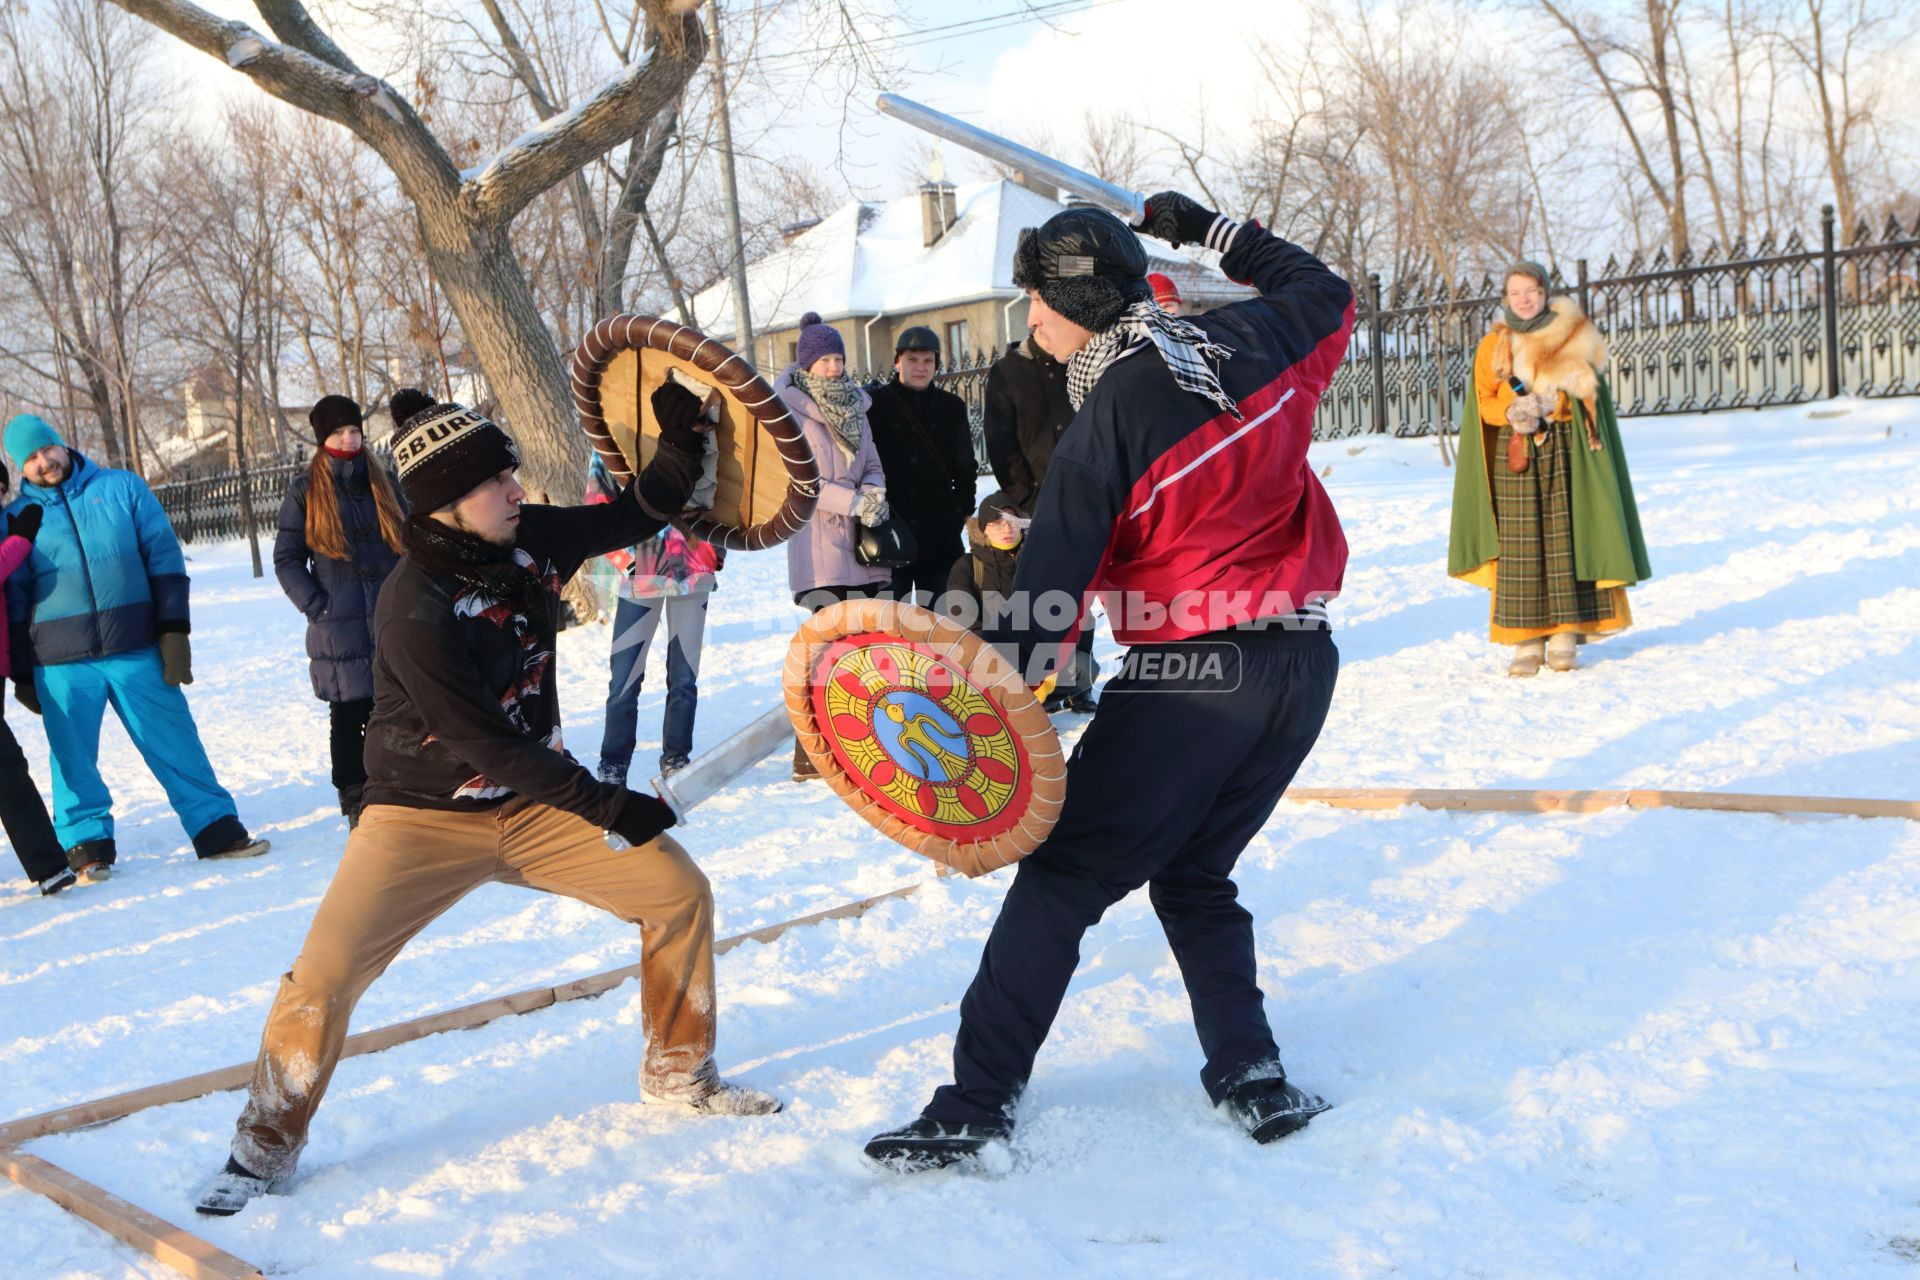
[{"x": 887, "y": 545}]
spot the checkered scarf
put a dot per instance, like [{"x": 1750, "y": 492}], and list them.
[{"x": 1184, "y": 345}]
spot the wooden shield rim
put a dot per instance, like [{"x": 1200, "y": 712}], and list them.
[
  {"x": 630, "y": 332},
  {"x": 988, "y": 670}
]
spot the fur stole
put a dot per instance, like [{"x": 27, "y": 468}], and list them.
[{"x": 1566, "y": 356}]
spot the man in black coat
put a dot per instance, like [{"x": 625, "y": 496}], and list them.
[
  {"x": 469, "y": 783},
  {"x": 926, "y": 449},
  {"x": 1027, "y": 410}
]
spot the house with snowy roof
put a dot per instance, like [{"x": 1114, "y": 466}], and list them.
[{"x": 942, "y": 258}]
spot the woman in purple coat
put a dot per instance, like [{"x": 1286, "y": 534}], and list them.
[{"x": 832, "y": 409}]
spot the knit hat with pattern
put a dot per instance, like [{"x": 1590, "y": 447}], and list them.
[{"x": 445, "y": 451}]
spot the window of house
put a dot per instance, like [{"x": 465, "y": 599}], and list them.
[
  {"x": 793, "y": 351},
  {"x": 958, "y": 342}
]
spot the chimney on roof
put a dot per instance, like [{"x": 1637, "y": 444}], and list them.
[{"x": 938, "y": 211}]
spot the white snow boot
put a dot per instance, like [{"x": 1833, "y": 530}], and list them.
[
  {"x": 230, "y": 1190},
  {"x": 728, "y": 1098},
  {"x": 1562, "y": 650},
  {"x": 1526, "y": 658}
]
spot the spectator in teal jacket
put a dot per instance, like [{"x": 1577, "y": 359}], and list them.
[{"x": 98, "y": 614}]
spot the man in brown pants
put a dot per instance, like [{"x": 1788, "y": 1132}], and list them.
[{"x": 467, "y": 782}]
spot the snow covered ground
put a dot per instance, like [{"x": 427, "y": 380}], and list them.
[{"x": 1631, "y": 1044}]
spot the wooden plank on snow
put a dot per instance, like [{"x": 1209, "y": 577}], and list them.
[{"x": 128, "y": 1223}]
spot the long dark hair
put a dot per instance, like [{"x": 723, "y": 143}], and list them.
[{"x": 325, "y": 534}]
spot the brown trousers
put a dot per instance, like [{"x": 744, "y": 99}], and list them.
[{"x": 402, "y": 869}]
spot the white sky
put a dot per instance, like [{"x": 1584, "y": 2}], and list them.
[
  {"x": 1115, "y": 57},
  {"x": 1110, "y": 57}
]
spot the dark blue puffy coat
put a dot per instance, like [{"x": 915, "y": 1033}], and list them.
[{"x": 337, "y": 596}]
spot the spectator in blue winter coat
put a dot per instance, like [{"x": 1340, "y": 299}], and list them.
[
  {"x": 342, "y": 529},
  {"x": 22, "y": 812},
  {"x": 98, "y": 614}
]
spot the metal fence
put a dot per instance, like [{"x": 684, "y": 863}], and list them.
[
  {"x": 210, "y": 507},
  {"x": 1779, "y": 324}
]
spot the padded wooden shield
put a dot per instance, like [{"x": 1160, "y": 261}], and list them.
[
  {"x": 927, "y": 731},
  {"x": 767, "y": 479}
]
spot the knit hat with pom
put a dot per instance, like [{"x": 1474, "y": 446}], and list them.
[
  {"x": 816, "y": 340},
  {"x": 445, "y": 451}
]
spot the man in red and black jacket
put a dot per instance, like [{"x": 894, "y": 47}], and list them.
[{"x": 1181, "y": 495}]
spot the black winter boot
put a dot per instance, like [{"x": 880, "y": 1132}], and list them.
[
  {"x": 931, "y": 1144},
  {"x": 1270, "y": 1109}
]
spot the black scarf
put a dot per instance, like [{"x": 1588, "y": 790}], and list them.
[{"x": 500, "y": 572}]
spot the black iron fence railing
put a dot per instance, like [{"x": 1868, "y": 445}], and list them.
[
  {"x": 1778, "y": 324},
  {"x": 211, "y": 507}
]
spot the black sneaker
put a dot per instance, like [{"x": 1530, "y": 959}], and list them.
[
  {"x": 1081, "y": 704},
  {"x": 230, "y": 1190},
  {"x": 930, "y": 1144},
  {"x": 242, "y": 847},
  {"x": 64, "y": 878},
  {"x": 670, "y": 765},
  {"x": 1270, "y": 1109},
  {"x": 92, "y": 860}
]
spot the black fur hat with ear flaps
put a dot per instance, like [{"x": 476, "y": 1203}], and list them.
[{"x": 1086, "y": 264}]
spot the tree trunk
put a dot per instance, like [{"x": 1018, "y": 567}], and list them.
[
  {"x": 476, "y": 269},
  {"x": 464, "y": 218},
  {"x": 240, "y": 446}
]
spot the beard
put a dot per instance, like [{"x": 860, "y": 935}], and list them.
[{"x": 506, "y": 539}]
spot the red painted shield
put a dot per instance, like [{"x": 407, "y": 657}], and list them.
[{"x": 926, "y": 731}]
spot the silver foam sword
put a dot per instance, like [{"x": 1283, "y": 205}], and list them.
[
  {"x": 1130, "y": 205},
  {"x": 704, "y": 777},
  {"x": 710, "y": 774}
]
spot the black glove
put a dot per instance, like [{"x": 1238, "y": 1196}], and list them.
[
  {"x": 27, "y": 523},
  {"x": 677, "y": 409},
  {"x": 29, "y": 695},
  {"x": 1177, "y": 219},
  {"x": 642, "y": 817}
]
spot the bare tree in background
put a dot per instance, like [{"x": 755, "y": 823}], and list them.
[
  {"x": 465, "y": 216},
  {"x": 1115, "y": 149},
  {"x": 1840, "y": 46},
  {"x": 1624, "y": 62},
  {"x": 228, "y": 225},
  {"x": 337, "y": 215},
  {"x": 76, "y": 115}
]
